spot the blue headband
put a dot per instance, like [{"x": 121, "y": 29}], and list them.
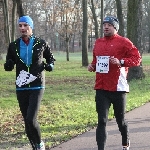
[{"x": 27, "y": 20}]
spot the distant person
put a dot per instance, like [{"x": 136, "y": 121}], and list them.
[
  {"x": 27, "y": 53},
  {"x": 112, "y": 55}
]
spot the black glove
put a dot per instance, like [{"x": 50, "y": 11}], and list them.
[
  {"x": 48, "y": 67},
  {"x": 9, "y": 65}
]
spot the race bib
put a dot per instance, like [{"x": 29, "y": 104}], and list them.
[
  {"x": 24, "y": 78},
  {"x": 102, "y": 65}
]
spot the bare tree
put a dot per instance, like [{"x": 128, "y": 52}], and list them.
[
  {"x": 85, "y": 35},
  {"x": 14, "y": 10},
  {"x": 146, "y": 26},
  {"x": 120, "y": 17},
  {"x": 2, "y": 40},
  {"x": 95, "y": 20},
  {"x": 20, "y": 10},
  {"x": 6, "y": 21}
]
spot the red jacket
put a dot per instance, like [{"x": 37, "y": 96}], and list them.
[{"x": 121, "y": 48}]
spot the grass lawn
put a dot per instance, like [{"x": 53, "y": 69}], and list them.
[{"x": 68, "y": 106}]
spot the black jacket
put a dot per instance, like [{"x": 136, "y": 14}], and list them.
[{"x": 40, "y": 50}]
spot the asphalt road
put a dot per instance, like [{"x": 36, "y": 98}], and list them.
[{"x": 139, "y": 129}]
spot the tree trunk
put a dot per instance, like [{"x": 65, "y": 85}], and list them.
[
  {"x": 95, "y": 20},
  {"x": 67, "y": 38},
  {"x": 67, "y": 48},
  {"x": 134, "y": 20},
  {"x": 102, "y": 17},
  {"x": 20, "y": 10},
  {"x": 6, "y": 21},
  {"x": 14, "y": 10},
  {"x": 120, "y": 17},
  {"x": 148, "y": 24},
  {"x": 149, "y": 43},
  {"x": 85, "y": 35}
]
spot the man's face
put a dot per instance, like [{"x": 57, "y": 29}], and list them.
[
  {"x": 109, "y": 29},
  {"x": 25, "y": 29}
]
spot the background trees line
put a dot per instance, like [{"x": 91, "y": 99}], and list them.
[{"x": 62, "y": 22}]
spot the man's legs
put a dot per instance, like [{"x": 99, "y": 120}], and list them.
[
  {"x": 23, "y": 100},
  {"x": 31, "y": 118},
  {"x": 29, "y": 103},
  {"x": 119, "y": 104},
  {"x": 102, "y": 108}
]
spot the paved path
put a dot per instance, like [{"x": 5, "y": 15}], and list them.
[{"x": 139, "y": 126}]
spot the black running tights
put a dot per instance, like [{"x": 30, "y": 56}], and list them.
[
  {"x": 104, "y": 99},
  {"x": 29, "y": 103}
]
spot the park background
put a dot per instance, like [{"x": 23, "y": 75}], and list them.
[{"x": 70, "y": 27}]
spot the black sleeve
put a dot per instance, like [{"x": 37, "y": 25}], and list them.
[
  {"x": 10, "y": 62},
  {"x": 48, "y": 55}
]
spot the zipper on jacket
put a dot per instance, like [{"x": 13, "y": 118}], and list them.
[
  {"x": 27, "y": 55},
  {"x": 29, "y": 72}
]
